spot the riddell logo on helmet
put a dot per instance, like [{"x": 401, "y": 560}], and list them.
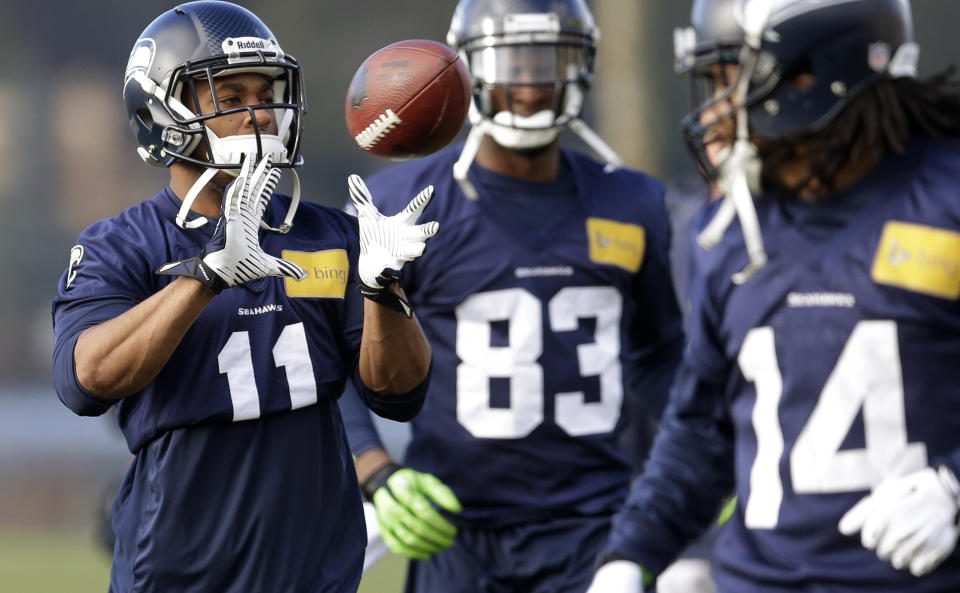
[
  {"x": 251, "y": 45},
  {"x": 238, "y": 44}
]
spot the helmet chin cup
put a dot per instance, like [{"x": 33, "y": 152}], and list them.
[
  {"x": 207, "y": 175},
  {"x": 232, "y": 149},
  {"x": 524, "y": 132}
]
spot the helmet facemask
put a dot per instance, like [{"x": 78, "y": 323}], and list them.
[
  {"x": 715, "y": 82},
  {"x": 525, "y": 50},
  {"x": 563, "y": 67},
  {"x": 227, "y": 153}
]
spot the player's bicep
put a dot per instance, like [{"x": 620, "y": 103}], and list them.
[{"x": 70, "y": 320}]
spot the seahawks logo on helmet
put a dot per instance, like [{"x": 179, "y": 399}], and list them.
[{"x": 141, "y": 58}]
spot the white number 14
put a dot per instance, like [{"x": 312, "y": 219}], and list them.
[{"x": 867, "y": 376}]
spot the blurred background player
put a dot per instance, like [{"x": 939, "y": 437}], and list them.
[
  {"x": 226, "y": 379},
  {"x": 547, "y": 302},
  {"x": 821, "y": 371}
]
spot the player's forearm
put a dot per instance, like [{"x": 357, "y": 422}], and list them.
[
  {"x": 369, "y": 462},
  {"x": 686, "y": 478},
  {"x": 394, "y": 353},
  {"x": 119, "y": 357}
]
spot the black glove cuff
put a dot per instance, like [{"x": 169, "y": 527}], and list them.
[
  {"x": 387, "y": 298},
  {"x": 378, "y": 479},
  {"x": 196, "y": 269}
]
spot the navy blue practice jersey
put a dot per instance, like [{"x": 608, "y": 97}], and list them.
[
  {"x": 541, "y": 322},
  {"x": 833, "y": 368},
  {"x": 267, "y": 346},
  {"x": 242, "y": 479}
]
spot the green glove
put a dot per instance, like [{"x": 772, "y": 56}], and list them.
[
  {"x": 406, "y": 502},
  {"x": 728, "y": 509}
]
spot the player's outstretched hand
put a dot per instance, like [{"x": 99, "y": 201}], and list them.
[
  {"x": 911, "y": 521},
  {"x": 617, "y": 576},
  {"x": 233, "y": 255},
  {"x": 406, "y": 502},
  {"x": 387, "y": 243}
]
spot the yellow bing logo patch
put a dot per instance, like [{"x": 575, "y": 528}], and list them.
[
  {"x": 327, "y": 274},
  {"x": 616, "y": 243},
  {"x": 919, "y": 258}
]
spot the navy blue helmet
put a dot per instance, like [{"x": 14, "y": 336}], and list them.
[
  {"x": 522, "y": 43},
  {"x": 526, "y": 42},
  {"x": 813, "y": 58},
  {"x": 193, "y": 44}
]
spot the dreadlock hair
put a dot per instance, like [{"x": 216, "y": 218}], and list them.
[{"x": 881, "y": 119}]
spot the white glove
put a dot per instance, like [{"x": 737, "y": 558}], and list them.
[
  {"x": 233, "y": 255},
  {"x": 386, "y": 243},
  {"x": 618, "y": 576},
  {"x": 910, "y": 521}
]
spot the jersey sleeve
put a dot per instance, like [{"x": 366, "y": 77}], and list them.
[
  {"x": 688, "y": 475},
  {"x": 690, "y": 470},
  {"x": 656, "y": 329},
  {"x": 69, "y": 323},
  {"x": 361, "y": 433},
  {"x": 401, "y": 407},
  {"x": 104, "y": 282}
]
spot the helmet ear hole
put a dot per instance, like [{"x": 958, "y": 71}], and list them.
[
  {"x": 802, "y": 82},
  {"x": 802, "y": 67},
  {"x": 145, "y": 118}
]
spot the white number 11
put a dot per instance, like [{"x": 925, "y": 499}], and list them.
[{"x": 289, "y": 352}]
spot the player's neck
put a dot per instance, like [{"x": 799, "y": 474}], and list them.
[
  {"x": 534, "y": 165},
  {"x": 207, "y": 203}
]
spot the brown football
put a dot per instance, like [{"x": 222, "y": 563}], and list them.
[{"x": 408, "y": 99}]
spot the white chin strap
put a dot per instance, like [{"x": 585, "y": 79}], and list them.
[
  {"x": 739, "y": 180},
  {"x": 596, "y": 143},
  {"x": 469, "y": 152},
  {"x": 523, "y": 133},
  {"x": 233, "y": 149},
  {"x": 740, "y": 166},
  {"x": 188, "y": 199}
]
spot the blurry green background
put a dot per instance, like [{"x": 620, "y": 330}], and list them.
[{"x": 67, "y": 159}]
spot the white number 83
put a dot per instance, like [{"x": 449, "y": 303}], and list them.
[{"x": 518, "y": 361}]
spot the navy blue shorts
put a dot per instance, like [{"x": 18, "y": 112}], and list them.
[{"x": 555, "y": 556}]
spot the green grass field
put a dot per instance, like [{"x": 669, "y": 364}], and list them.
[{"x": 44, "y": 562}]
